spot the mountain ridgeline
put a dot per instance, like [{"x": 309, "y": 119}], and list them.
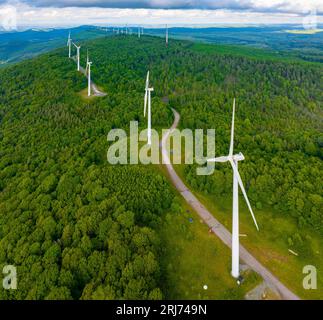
[{"x": 79, "y": 228}]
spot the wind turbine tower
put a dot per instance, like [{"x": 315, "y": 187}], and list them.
[
  {"x": 78, "y": 56},
  {"x": 139, "y": 32},
  {"x": 88, "y": 71},
  {"x": 148, "y": 91},
  {"x": 237, "y": 181},
  {"x": 69, "y": 43}
]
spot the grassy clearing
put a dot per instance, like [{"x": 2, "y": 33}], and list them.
[
  {"x": 84, "y": 94},
  {"x": 192, "y": 258},
  {"x": 270, "y": 245}
]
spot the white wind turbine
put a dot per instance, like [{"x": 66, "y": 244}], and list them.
[
  {"x": 69, "y": 43},
  {"x": 78, "y": 56},
  {"x": 234, "y": 159},
  {"x": 88, "y": 71},
  {"x": 148, "y": 101}
]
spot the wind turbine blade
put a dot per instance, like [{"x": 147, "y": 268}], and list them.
[
  {"x": 232, "y": 128},
  {"x": 147, "y": 81},
  {"x": 236, "y": 172},
  {"x": 219, "y": 159}
]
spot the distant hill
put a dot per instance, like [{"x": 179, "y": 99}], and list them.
[
  {"x": 285, "y": 40},
  {"x": 18, "y": 46}
]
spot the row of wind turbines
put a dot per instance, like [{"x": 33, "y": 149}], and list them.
[
  {"x": 78, "y": 56},
  {"x": 232, "y": 158},
  {"x": 89, "y": 63},
  {"x": 128, "y": 31}
]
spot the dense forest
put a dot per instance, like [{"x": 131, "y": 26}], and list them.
[
  {"x": 75, "y": 226},
  {"x": 78, "y": 228},
  {"x": 279, "y": 115}
]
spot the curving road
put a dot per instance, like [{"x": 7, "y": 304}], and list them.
[
  {"x": 95, "y": 90},
  {"x": 217, "y": 228}
]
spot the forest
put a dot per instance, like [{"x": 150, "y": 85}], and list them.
[
  {"x": 78, "y": 228},
  {"x": 279, "y": 115}
]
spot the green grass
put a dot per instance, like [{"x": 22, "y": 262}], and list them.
[
  {"x": 270, "y": 245},
  {"x": 193, "y": 257},
  {"x": 84, "y": 94}
]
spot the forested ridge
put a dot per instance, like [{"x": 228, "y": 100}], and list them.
[
  {"x": 279, "y": 115},
  {"x": 79, "y": 228},
  {"x": 74, "y": 226}
]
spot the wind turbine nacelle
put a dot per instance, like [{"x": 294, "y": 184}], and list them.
[{"x": 238, "y": 157}]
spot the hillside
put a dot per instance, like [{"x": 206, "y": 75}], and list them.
[
  {"x": 80, "y": 228},
  {"x": 18, "y": 46}
]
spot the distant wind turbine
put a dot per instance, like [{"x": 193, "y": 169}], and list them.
[
  {"x": 234, "y": 159},
  {"x": 139, "y": 33},
  {"x": 77, "y": 56},
  {"x": 88, "y": 71},
  {"x": 69, "y": 43},
  {"x": 148, "y": 101}
]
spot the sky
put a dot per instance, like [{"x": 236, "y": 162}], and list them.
[{"x": 66, "y": 13}]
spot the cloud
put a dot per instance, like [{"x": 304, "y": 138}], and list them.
[
  {"x": 62, "y": 13},
  {"x": 285, "y": 6}
]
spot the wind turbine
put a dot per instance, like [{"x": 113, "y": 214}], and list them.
[
  {"x": 234, "y": 159},
  {"x": 166, "y": 35},
  {"x": 148, "y": 100},
  {"x": 69, "y": 43},
  {"x": 78, "y": 56},
  {"x": 88, "y": 71},
  {"x": 139, "y": 33}
]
